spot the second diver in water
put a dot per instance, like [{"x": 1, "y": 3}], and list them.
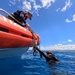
[{"x": 50, "y": 58}]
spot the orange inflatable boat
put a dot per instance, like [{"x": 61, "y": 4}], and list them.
[
  {"x": 13, "y": 35},
  {"x": 14, "y": 39}
]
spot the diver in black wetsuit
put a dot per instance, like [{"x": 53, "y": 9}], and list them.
[
  {"x": 50, "y": 58},
  {"x": 21, "y": 17}
]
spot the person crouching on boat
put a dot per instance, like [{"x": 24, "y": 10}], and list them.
[
  {"x": 50, "y": 58},
  {"x": 21, "y": 16}
]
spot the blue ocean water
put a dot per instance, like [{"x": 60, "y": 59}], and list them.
[{"x": 28, "y": 64}]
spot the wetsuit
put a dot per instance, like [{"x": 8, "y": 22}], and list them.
[
  {"x": 50, "y": 59},
  {"x": 20, "y": 16}
]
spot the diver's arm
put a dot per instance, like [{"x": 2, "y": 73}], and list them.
[{"x": 42, "y": 53}]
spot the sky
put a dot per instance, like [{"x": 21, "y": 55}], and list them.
[{"x": 53, "y": 20}]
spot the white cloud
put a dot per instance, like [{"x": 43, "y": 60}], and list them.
[
  {"x": 59, "y": 44},
  {"x": 46, "y": 3},
  {"x": 73, "y": 19},
  {"x": 69, "y": 40},
  {"x": 31, "y": 4},
  {"x": 59, "y": 47},
  {"x": 67, "y": 5},
  {"x": 12, "y": 2},
  {"x": 26, "y": 5},
  {"x": 68, "y": 21},
  {"x": 35, "y": 6},
  {"x": 57, "y": 9}
]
